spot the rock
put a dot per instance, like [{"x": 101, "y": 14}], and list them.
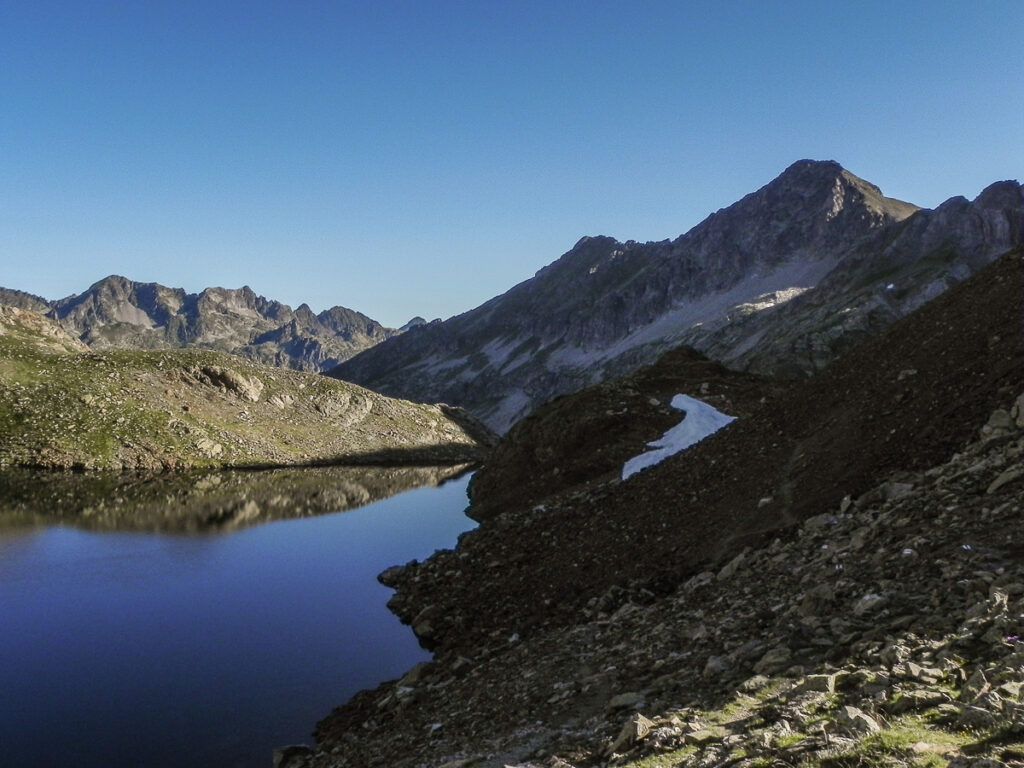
[
  {"x": 293, "y": 756},
  {"x": 414, "y": 675},
  {"x": 209, "y": 448},
  {"x": 716, "y": 665},
  {"x": 894, "y": 491},
  {"x": 1010, "y": 689},
  {"x": 825, "y": 683},
  {"x": 246, "y": 387},
  {"x": 976, "y": 718},
  {"x": 700, "y": 580},
  {"x": 816, "y": 599},
  {"x": 423, "y": 625},
  {"x": 624, "y": 700},
  {"x": 999, "y": 420},
  {"x": 775, "y": 661},
  {"x": 912, "y": 671},
  {"x": 1018, "y": 412},
  {"x": 976, "y": 685},
  {"x": 1005, "y": 478},
  {"x": 915, "y": 700},
  {"x": 636, "y": 728},
  {"x": 868, "y": 603},
  {"x": 857, "y": 721},
  {"x": 732, "y": 566},
  {"x": 754, "y": 684}
]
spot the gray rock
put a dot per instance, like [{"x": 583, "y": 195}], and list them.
[
  {"x": 976, "y": 718},
  {"x": 825, "y": 683},
  {"x": 916, "y": 700},
  {"x": 624, "y": 700},
  {"x": 1007, "y": 477},
  {"x": 976, "y": 685},
  {"x": 716, "y": 665},
  {"x": 633, "y": 730},
  {"x": 857, "y": 721},
  {"x": 775, "y": 661},
  {"x": 868, "y": 604}
]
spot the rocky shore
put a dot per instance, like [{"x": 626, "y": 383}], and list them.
[
  {"x": 835, "y": 579},
  {"x": 884, "y": 631}
]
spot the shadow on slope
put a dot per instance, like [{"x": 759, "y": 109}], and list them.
[{"x": 907, "y": 399}]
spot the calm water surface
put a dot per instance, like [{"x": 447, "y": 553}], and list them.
[{"x": 135, "y": 649}]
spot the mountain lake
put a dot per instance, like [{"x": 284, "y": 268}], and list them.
[{"x": 210, "y": 646}]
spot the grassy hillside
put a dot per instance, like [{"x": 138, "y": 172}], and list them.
[{"x": 62, "y": 406}]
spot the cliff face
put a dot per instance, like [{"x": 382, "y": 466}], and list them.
[
  {"x": 606, "y": 307},
  {"x": 117, "y": 313}
]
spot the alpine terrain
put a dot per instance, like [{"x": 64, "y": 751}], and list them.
[
  {"x": 64, "y": 406},
  {"x": 781, "y": 282},
  {"x": 117, "y": 313},
  {"x": 834, "y": 578}
]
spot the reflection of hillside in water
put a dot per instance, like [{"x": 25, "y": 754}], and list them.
[{"x": 199, "y": 501}]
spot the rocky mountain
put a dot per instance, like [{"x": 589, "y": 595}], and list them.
[
  {"x": 117, "y": 313},
  {"x": 833, "y": 579},
  {"x": 65, "y": 406},
  {"x": 782, "y": 281}
]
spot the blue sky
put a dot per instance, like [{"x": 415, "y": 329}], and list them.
[{"x": 418, "y": 158}]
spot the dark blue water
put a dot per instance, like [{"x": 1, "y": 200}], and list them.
[{"x": 121, "y": 649}]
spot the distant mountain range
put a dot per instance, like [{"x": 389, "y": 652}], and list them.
[
  {"x": 781, "y": 282},
  {"x": 120, "y": 313}
]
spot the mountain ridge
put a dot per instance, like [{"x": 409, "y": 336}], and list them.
[
  {"x": 606, "y": 307},
  {"x": 116, "y": 313}
]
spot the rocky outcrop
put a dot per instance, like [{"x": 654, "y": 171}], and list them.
[
  {"x": 23, "y": 328},
  {"x": 117, "y": 313},
  {"x": 882, "y": 278},
  {"x": 855, "y": 259},
  {"x": 64, "y": 406}
]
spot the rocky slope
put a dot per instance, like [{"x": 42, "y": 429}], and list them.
[
  {"x": 64, "y": 406},
  {"x": 856, "y": 259},
  {"x": 117, "y": 313},
  {"x": 587, "y": 436},
  {"x": 835, "y": 578}
]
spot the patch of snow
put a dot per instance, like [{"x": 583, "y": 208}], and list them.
[
  {"x": 498, "y": 351},
  {"x": 503, "y": 414},
  {"x": 701, "y": 420},
  {"x": 436, "y": 364},
  {"x": 756, "y": 292}
]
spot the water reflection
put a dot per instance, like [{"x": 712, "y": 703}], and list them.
[
  {"x": 151, "y": 650},
  {"x": 192, "y": 502}
]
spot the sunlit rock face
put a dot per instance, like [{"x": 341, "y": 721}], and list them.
[
  {"x": 781, "y": 282},
  {"x": 117, "y": 313}
]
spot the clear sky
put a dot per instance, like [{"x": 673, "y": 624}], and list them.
[{"x": 417, "y": 158}]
